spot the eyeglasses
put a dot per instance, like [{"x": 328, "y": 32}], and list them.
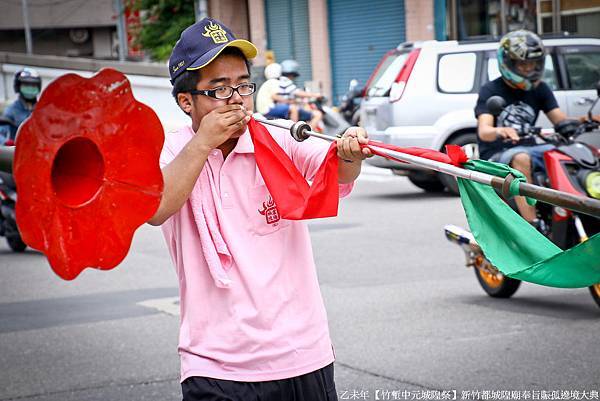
[{"x": 225, "y": 92}]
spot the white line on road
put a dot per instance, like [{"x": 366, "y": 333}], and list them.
[{"x": 169, "y": 305}]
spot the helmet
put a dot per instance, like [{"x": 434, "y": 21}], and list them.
[
  {"x": 290, "y": 67},
  {"x": 519, "y": 116},
  {"x": 517, "y": 48},
  {"x": 27, "y": 83},
  {"x": 273, "y": 71}
]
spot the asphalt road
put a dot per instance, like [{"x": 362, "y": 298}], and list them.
[{"x": 405, "y": 315}]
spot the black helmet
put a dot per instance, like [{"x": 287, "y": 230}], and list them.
[
  {"x": 518, "y": 47},
  {"x": 519, "y": 116},
  {"x": 27, "y": 77},
  {"x": 290, "y": 67}
]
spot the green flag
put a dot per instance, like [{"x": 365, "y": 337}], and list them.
[{"x": 514, "y": 246}]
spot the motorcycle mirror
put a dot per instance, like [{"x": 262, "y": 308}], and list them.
[
  {"x": 495, "y": 105},
  {"x": 353, "y": 84}
]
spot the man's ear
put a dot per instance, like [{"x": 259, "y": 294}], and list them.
[{"x": 184, "y": 100}]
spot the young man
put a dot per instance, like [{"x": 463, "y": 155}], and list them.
[
  {"x": 521, "y": 58},
  {"x": 253, "y": 323},
  {"x": 27, "y": 84}
]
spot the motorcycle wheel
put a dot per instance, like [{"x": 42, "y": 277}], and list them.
[
  {"x": 595, "y": 291},
  {"x": 468, "y": 142},
  {"x": 496, "y": 285},
  {"x": 427, "y": 182},
  {"x": 16, "y": 244}
]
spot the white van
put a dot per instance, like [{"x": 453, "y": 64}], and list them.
[{"x": 423, "y": 94}]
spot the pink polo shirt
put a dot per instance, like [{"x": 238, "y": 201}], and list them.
[{"x": 270, "y": 323}]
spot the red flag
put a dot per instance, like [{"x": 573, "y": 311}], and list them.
[{"x": 295, "y": 199}]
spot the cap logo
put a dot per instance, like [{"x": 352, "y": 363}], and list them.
[
  {"x": 178, "y": 66},
  {"x": 216, "y": 33}
]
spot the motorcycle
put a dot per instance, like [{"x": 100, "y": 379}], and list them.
[
  {"x": 333, "y": 123},
  {"x": 8, "y": 200},
  {"x": 573, "y": 166},
  {"x": 350, "y": 103}
]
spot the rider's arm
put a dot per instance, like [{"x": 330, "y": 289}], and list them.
[
  {"x": 488, "y": 133},
  {"x": 556, "y": 115},
  {"x": 301, "y": 93}
]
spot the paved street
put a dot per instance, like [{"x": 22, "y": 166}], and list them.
[{"x": 405, "y": 314}]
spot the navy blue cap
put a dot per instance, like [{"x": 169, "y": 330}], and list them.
[{"x": 201, "y": 43}]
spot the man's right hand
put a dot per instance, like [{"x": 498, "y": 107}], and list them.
[
  {"x": 507, "y": 134},
  {"x": 221, "y": 123}
]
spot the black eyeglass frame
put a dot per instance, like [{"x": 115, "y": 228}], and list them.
[{"x": 234, "y": 89}]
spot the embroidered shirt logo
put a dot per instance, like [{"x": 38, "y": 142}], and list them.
[
  {"x": 270, "y": 211},
  {"x": 216, "y": 33}
]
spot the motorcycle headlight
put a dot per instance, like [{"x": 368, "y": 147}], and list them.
[{"x": 592, "y": 184}]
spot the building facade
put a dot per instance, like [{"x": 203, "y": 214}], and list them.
[{"x": 334, "y": 41}]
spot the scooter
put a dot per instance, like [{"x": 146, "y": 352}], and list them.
[
  {"x": 8, "y": 200},
  {"x": 350, "y": 103},
  {"x": 333, "y": 123},
  {"x": 573, "y": 166}
]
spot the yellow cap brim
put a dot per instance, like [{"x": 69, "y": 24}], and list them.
[{"x": 247, "y": 48}]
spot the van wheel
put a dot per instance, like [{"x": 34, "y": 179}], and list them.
[
  {"x": 468, "y": 141},
  {"x": 425, "y": 181}
]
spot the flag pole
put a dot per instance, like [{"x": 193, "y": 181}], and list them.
[{"x": 301, "y": 131}]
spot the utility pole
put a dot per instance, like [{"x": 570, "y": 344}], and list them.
[
  {"x": 200, "y": 9},
  {"x": 121, "y": 32},
  {"x": 28, "y": 41}
]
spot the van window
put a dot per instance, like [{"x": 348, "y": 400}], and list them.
[
  {"x": 549, "y": 75},
  {"x": 386, "y": 74},
  {"x": 583, "y": 69},
  {"x": 456, "y": 72}
]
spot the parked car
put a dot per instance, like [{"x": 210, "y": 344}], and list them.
[{"x": 423, "y": 94}]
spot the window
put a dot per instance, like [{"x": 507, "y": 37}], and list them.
[
  {"x": 456, "y": 72},
  {"x": 583, "y": 68},
  {"x": 385, "y": 75},
  {"x": 549, "y": 76}
]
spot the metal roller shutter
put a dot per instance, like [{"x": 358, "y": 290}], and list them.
[
  {"x": 360, "y": 33},
  {"x": 287, "y": 33}
]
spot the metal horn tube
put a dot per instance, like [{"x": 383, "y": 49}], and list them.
[{"x": 580, "y": 204}]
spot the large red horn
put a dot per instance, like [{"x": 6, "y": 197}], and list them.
[{"x": 87, "y": 172}]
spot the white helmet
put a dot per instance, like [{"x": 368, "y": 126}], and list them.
[{"x": 273, "y": 71}]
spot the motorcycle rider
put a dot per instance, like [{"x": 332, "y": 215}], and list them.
[
  {"x": 521, "y": 58},
  {"x": 27, "y": 84},
  {"x": 286, "y": 105},
  {"x": 270, "y": 88}
]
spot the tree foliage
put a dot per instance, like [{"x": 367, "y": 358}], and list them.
[{"x": 162, "y": 22}]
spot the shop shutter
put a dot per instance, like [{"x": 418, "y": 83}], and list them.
[
  {"x": 287, "y": 33},
  {"x": 360, "y": 33}
]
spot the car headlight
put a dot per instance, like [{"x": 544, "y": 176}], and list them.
[{"x": 592, "y": 184}]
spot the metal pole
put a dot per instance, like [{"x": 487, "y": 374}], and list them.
[
  {"x": 7, "y": 155},
  {"x": 580, "y": 204},
  {"x": 28, "y": 41},
  {"x": 121, "y": 31},
  {"x": 200, "y": 9}
]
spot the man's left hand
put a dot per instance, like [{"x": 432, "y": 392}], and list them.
[{"x": 348, "y": 146}]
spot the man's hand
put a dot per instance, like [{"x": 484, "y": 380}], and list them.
[
  {"x": 507, "y": 133},
  {"x": 348, "y": 146},
  {"x": 220, "y": 124}
]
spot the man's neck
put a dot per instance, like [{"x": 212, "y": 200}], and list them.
[{"x": 228, "y": 146}]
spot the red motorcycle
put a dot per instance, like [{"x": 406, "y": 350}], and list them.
[{"x": 573, "y": 166}]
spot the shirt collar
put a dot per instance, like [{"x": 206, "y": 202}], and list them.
[{"x": 244, "y": 143}]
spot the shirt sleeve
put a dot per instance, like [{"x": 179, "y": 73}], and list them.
[
  {"x": 547, "y": 99},
  {"x": 166, "y": 155},
  {"x": 308, "y": 156},
  {"x": 480, "y": 107}
]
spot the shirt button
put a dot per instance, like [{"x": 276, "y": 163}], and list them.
[{"x": 226, "y": 195}]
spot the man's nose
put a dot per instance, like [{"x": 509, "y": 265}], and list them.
[{"x": 236, "y": 98}]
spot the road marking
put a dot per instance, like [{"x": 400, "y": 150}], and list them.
[{"x": 169, "y": 305}]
